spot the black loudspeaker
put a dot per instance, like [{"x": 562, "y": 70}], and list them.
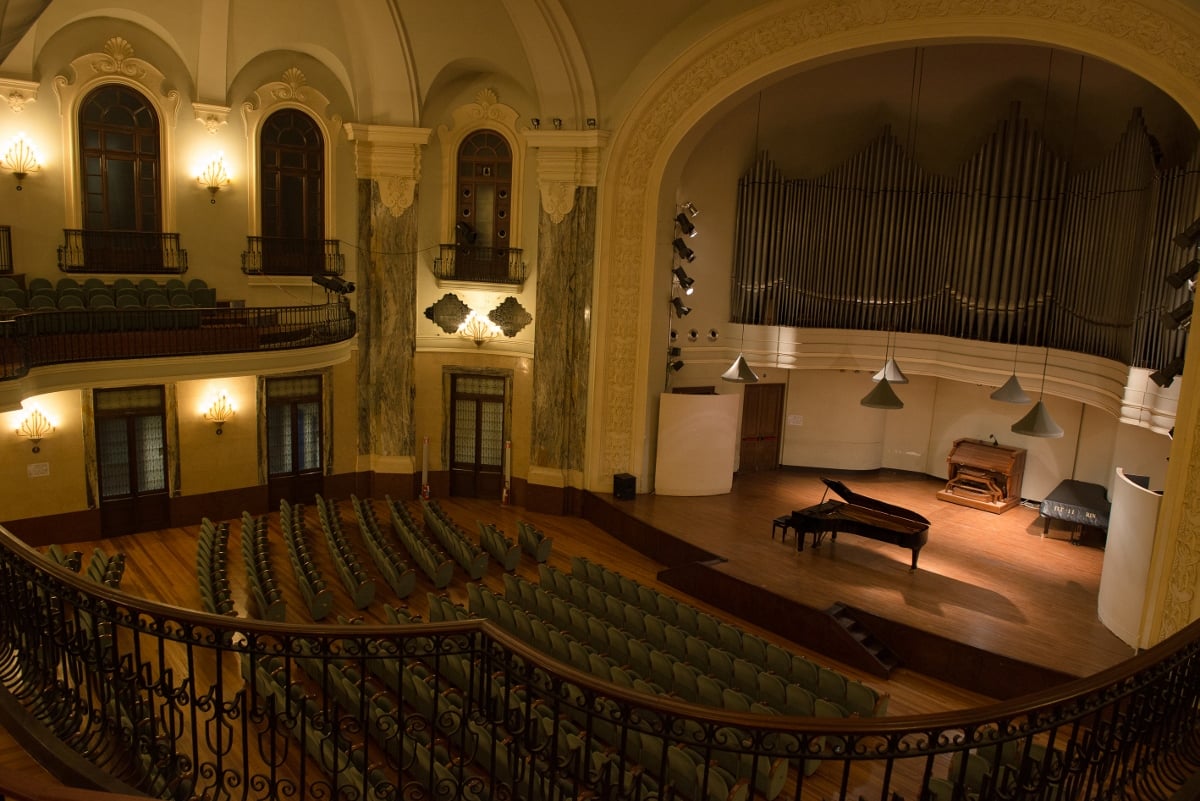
[{"x": 624, "y": 486}]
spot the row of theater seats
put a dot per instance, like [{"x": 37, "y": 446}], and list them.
[
  {"x": 358, "y": 584},
  {"x": 454, "y": 540},
  {"x": 94, "y": 293},
  {"x": 256, "y": 555},
  {"x": 212, "y": 570},
  {"x": 391, "y": 564},
  {"x": 316, "y": 594},
  {"x": 502, "y": 549},
  {"x": 428, "y": 555}
]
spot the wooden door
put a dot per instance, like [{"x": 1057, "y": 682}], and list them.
[
  {"x": 477, "y": 436},
  {"x": 131, "y": 461},
  {"x": 762, "y": 426}
]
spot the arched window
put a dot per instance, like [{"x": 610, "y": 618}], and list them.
[
  {"x": 484, "y": 206},
  {"x": 119, "y": 155},
  {"x": 292, "y": 174}
]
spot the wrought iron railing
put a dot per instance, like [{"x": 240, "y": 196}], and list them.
[
  {"x": 276, "y": 255},
  {"x": 480, "y": 264},
  {"x": 131, "y": 252},
  {"x": 184, "y": 705},
  {"x": 41, "y": 338},
  {"x": 6, "y": 259}
]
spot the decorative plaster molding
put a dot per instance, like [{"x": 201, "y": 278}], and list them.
[
  {"x": 17, "y": 93},
  {"x": 210, "y": 116},
  {"x": 392, "y": 156},
  {"x": 567, "y": 160}
]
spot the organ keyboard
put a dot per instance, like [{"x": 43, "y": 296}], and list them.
[{"x": 984, "y": 476}]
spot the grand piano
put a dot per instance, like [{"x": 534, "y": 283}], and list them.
[{"x": 866, "y": 517}]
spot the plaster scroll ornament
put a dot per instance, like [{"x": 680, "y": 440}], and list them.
[
  {"x": 293, "y": 87},
  {"x": 396, "y": 194},
  {"x": 558, "y": 198},
  {"x": 17, "y": 100},
  {"x": 118, "y": 60}
]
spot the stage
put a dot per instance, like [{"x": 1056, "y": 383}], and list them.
[{"x": 993, "y": 606}]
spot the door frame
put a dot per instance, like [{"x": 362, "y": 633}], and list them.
[{"x": 447, "y": 445}]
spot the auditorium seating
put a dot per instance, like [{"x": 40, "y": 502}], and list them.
[
  {"x": 266, "y": 596},
  {"x": 358, "y": 584},
  {"x": 429, "y": 556},
  {"x": 72, "y": 561},
  {"x": 212, "y": 566},
  {"x": 502, "y": 549},
  {"x": 454, "y": 540},
  {"x": 317, "y": 596},
  {"x": 533, "y": 541},
  {"x": 396, "y": 572}
]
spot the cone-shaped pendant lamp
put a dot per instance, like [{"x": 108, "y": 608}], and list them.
[
  {"x": 1011, "y": 392},
  {"x": 892, "y": 372},
  {"x": 739, "y": 372},
  {"x": 1038, "y": 422},
  {"x": 882, "y": 397}
]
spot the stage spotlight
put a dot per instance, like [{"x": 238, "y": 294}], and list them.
[
  {"x": 685, "y": 253},
  {"x": 1166, "y": 375},
  {"x": 1184, "y": 274},
  {"x": 334, "y": 283},
  {"x": 675, "y": 366},
  {"x": 1190, "y": 235},
  {"x": 690, "y": 208},
  {"x": 1179, "y": 316},
  {"x": 685, "y": 225},
  {"x": 685, "y": 280},
  {"x": 680, "y": 309}
]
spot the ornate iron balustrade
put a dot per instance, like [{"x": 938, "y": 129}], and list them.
[
  {"x": 6, "y": 259},
  {"x": 276, "y": 255},
  {"x": 130, "y": 252},
  {"x": 41, "y": 338},
  {"x": 480, "y": 264},
  {"x": 186, "y": 705}
]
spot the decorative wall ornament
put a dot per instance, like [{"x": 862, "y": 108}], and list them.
[
  {"x": 17, "y": 93},
  {"x": 448, "y": 313},
  {"x": 118, "y": 60},
  {"x": 392, "y": 156},
  {"x": 210, "y": 116},
  {"x": 510, "y": 316},
  {"x": 292, "y": 87},
  {"x": 567, "y": 160}
]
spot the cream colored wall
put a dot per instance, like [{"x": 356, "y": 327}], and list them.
[
  {"x": 344, "y": 397},
  {"x": 212, "y": 463},
  {"x": 430, "y": 404},
  {"x": 827, "y": 431},
  {"x": 63, "y": 488}
]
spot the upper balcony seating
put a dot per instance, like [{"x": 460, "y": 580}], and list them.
[{"x": 94, "y": 293}]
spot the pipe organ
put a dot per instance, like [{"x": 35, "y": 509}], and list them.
[{"x": 1017, "y": 247}]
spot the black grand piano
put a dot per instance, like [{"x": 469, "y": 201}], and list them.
[{"x": 863, "y": 516}]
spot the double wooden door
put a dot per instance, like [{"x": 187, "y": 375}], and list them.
[{"x": 477, "y": 436}]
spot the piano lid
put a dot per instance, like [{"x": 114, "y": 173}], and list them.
[{"x": 865, "y": 501}]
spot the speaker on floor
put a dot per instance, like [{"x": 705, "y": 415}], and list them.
[{"x": 624, "y": 486}]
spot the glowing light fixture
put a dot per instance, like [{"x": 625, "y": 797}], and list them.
[
  {"x": 35, "y": 426},
  {"x": 213, "y": 176},
  {"x": 478, "y": 328},
  {"x": 220, "y": 411},
  {"x": 1038, "y": 422},
  {"x": 20, "y": 159}
]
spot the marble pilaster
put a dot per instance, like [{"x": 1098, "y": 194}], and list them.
[{"x": 566, "y": 259}]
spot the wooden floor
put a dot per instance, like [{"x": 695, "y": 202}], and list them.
[{"x": 990, "y": 580}]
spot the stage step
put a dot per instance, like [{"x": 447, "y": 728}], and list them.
[{"x": 870, "y": 644}]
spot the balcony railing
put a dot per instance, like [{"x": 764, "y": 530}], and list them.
[
  {"x": 275, "y": 255},
  {"x": 480, "y": 264},
  {"x": 6, "y": 261},
  {"x": 42, "y": 338},
  {"x": 129, "y": 252},
  {"x": 186, "y": 705}
]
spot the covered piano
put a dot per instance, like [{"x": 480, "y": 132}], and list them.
[
  {"x": 984, "y": 475},
  {"x": 863, "y": 516}
]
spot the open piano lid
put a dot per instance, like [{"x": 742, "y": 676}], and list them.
[
  {"x": 854, "y": 499},
  {"x": 845, "y": 493}
]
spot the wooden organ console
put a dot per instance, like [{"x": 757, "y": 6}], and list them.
[{"x": 984, "y": 475}]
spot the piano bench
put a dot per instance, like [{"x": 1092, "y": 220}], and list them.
[{"x": 782, "y": 524}]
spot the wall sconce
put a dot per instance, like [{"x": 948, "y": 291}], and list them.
[
  {"x": 220, "y": 411},
  {"x": 478, "y": 328},
  {"x": 20, "y": 159},
  {"x": 34, "y": 426},
  {"x": 214, "y": 176}
]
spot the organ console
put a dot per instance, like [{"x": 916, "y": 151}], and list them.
[{"x": 984, "y": 476}]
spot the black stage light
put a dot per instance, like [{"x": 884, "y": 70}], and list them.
[
  {"x": 685, "y": 253},
  {"x": 1190, "y": 235},
  {"x": 1179, "y": 316},
  {"x": 680, "y": 309},
  {"x": 685, "y": 225},
  {"x": 1166, "y": 375},
  {"x": 334, "y": 283},
  {"x": 685, "y": 280},
  {"x": 1184, "y": 274}
]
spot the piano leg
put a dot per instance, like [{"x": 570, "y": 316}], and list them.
[{"x": 916, "y": 552}]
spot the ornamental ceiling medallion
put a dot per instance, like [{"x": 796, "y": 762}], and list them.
[
  {"x": 448, "y": 313},
  {"x": 510, "y": 316}
]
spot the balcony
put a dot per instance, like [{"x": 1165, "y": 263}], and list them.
[
  {"x": 277, "y": 255},
  {"x": 43, "y": 338},
  {"x": 478, "y": 264},
  {"x": 127, "y": 252}
]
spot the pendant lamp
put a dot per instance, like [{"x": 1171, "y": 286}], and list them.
[
  {"x": 892, "y": 372},
  {"x": 1010, "y": 391},
  {"x": 1038, "y": 422},
  {"x": 883, "y": 397},
  {"x": 739, "y": 372}
]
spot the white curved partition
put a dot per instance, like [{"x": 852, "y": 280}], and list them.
[
  {"x": 1124, "y": 578},
  {"x": 697, "y": 444}
]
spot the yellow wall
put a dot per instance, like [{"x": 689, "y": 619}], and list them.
[
  {"x": 63, "y": 488},
  {"x": 211, "y": 463}
]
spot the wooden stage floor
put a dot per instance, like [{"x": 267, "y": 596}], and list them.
[{"x": 989, "y": 581}]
